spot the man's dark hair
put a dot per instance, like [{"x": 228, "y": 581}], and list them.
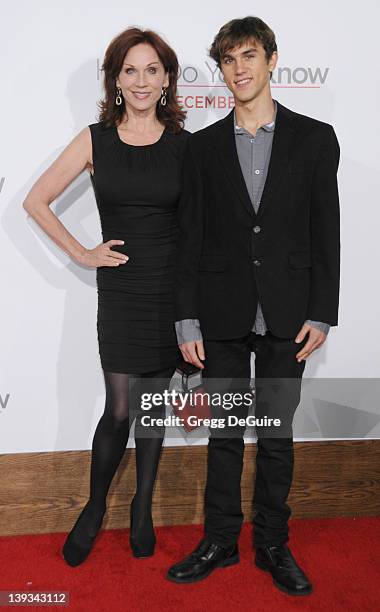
[{"x": 239, "y": 31}]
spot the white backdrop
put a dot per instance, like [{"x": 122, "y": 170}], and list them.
[{"x": 51, "y": 384}]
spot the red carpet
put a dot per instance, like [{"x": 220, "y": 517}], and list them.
[{"x": 341, "y": 557}]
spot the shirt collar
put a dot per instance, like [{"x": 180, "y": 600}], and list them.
[{"x": 268, "y": 127}]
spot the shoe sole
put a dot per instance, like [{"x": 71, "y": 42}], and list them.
[
  {"x": 137, "y": 556},
  {"x": 226, "y": 563},
  {"x": 281, "y": 587}
]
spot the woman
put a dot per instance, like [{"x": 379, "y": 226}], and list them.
[{"x": 134, "y": 156}]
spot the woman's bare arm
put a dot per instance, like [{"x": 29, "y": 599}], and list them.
[{"x": 75, "y": 158}]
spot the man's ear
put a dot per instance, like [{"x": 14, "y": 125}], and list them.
[{"x": 273, "y": 61}]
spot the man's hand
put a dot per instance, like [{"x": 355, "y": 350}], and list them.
[
  {"x": 193, "y": 352},
  {"x": 315, "y": 340}
]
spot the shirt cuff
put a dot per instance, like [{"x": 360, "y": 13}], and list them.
[
  {"x": 325, "y": 327},
  {"x": 188, "y": 330}
]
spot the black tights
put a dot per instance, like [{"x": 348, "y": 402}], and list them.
[{"x": 110, "y": 439}]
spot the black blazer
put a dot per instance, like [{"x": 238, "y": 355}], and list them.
[{"x": 287, "y": 256}]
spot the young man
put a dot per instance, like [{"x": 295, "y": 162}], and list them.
[{"x": 258, "y": 270}]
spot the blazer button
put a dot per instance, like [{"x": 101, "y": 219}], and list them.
[
  {"x": 257, "y": 262},
  {"x": 257, "y": 229}
]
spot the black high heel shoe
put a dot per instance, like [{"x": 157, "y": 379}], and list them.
[
  {"x": 142, "y": 545},
  {"x": 79, "y": 542}
]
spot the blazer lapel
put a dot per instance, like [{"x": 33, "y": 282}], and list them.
[
  {"x": 283, "y": 139},
  {"x": 226, "y": 147}
]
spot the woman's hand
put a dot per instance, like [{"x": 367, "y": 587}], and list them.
[{"x": 102, "y": 255}]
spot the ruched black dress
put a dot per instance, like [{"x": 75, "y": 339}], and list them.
[{"x": 137, "y": 189}]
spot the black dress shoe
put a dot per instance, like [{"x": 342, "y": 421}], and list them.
[
  {"x": 287, "y": 575},
  {"x": 143, "y": 540},
  {"x": 202, "y": 561}
]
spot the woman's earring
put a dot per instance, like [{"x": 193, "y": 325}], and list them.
[
  {"x": 119, "y": 99},
  {"x": 163, "y": 96}
]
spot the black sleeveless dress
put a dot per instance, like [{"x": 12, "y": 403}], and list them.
[{"x": 137, "y": 190}]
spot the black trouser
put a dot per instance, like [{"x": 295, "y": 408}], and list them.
[{"x": 228, "y": 361}]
